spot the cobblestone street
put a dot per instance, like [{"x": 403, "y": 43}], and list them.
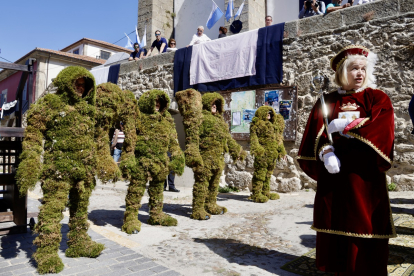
[{"x": 251, "y": 239}]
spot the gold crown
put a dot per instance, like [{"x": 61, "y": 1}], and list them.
[{"x": 349, "y": 107}]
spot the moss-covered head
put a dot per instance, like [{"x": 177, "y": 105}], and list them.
[
  {"x": 262, "y": 113},
  {"x": 76, "y": 84},
  {"x": 209, "y": 99},
  {"x": 148, "y": 101}
]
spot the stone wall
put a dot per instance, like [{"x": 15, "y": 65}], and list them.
[{"x": 385, "y": 26}]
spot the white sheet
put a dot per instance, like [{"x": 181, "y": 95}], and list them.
[
  {"x": 100, "y": 74},
  {"x": 225, "y": 58}
]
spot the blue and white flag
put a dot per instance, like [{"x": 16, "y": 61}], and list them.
[
  {"x": 239, "y": 11},
  {"x": 215, "y": 15},
  {"x": 229, "y": 11},
  {"x": 129, "y": 42},
  {"x": 137, "y": 36},
  {"x": 144, "y": 39}
]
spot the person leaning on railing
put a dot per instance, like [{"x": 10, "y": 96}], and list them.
[{"x": 311, "y": 8}]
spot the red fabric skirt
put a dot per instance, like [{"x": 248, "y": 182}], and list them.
[{"x": 351, "y": 256}]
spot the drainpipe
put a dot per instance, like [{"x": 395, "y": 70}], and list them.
[{"x": 47, "y": 70}]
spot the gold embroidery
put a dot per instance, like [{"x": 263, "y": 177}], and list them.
[
  {"x": 361, "y": 123},
  {"x": 344, "y": 49},
  {"x": 306, "y": 158},
  {"x": 321, "y": 148},
  {"x": 317, "y": 139},
  {"x": 368, "y": 236},
  {"x": 366, "y": 141}
]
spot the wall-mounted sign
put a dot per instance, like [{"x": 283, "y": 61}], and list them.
[{"x": 241, "y": 106}]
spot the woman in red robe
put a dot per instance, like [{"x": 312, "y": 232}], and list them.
[{"x": 352, "y": 214}]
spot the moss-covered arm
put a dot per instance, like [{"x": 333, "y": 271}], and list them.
[
  {"x": 255, "y": 148},
  {"x": 279, "y": 124},
  {"x": 236, "y": 151},
  {"x": 190, "y": 106},
  {"x": 30, "y": 167},
  {"x": 130, "y": 115},
  {"x": 177, "y": 162}
]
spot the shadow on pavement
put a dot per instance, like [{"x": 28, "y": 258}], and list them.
[
  {"x": 227, "y": 196},
  {"x": 243, "y": 254},
  {"x": 308, "y": 241},
  {"x": 115, "y": 217}
]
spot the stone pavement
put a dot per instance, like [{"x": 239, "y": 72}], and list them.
[{"x": 250, "y": 239}]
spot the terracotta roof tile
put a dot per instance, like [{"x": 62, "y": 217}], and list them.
[
  {"x": 99, "y": 42},
  {"x": 80, "y": 57}
]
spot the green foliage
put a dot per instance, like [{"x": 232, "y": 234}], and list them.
[
  {"x": 75, "y": 134},
  {"x": 228, "y": 189},
  {"x": 266, "y": 141},
  {"x": 392, "y": 187},
  {"x": 207, "y": 139},
  {"x": 154, "y": 135}
]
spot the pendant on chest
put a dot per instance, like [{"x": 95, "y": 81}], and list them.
[{"x": 349, "y": 111}]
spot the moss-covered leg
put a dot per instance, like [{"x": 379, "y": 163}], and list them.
[
  {"x": 133, "y": 198},
  {"x": 266, "y": 183},
  {"x": 157, "y": 216},
  {"x": 259, "y": 177},
  {"x": 55, "y": 195},
  {"x": 201, "y": 176},
  {"x": 79, "y": 242},
  {"x": 211, "y": 198}
]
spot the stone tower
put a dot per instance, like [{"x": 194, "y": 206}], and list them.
[
  {"x": 160, "y": 15},
  {"x": 156, "y": 15}
]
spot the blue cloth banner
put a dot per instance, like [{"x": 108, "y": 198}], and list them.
[
  {"x": 269, "y": 64},
  {"x": 114, "y": 73},
  {"x": 229, "y": 11},
  {"x": 215, "y": 15}
]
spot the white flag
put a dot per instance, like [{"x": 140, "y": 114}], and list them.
[
  {"x": 129, "y": 42},
  {"x": 144, "y": 38},
  {"x": 239, "y": 11},
  {"x": 229, "y": 11},
  {"x": 137, "y": 36}
]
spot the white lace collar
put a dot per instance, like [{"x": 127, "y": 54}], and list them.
[{"x": 343, "y": 92}]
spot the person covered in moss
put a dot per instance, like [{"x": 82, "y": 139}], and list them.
[
  {"x": 266, "y": 144},
  {"x": 155, "y": 136},
  {"x": 74, "y": 151},
  {"x": 208, "y": 138}
]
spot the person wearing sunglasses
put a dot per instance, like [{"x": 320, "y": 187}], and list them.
[
  {"x": 172, "y": 45},
  {"x": 160, "y": 43},
  {"x": 138, "y": 53}
]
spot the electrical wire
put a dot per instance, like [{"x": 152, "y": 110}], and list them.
[
  {"x": 93, "y": 53},
  {"x": 6, "y": 59}
]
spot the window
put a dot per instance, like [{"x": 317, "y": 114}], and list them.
[
  {"x": 76, "y": 51},
  {"x": 105, "y": 55}
]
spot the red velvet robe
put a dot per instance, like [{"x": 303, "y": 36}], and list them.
[{"x": 353, "y": 203}]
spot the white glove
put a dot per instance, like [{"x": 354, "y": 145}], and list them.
[
  {"x": 332, "y": 163},
  {"x": 338, "y": 125}
]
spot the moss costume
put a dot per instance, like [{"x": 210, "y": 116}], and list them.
[
  {"x": 74, "y": 145},
  {"x": 207, "y": 139},
  {"x": 266, "y": 144},
  {"x": 155, "y": 135}
]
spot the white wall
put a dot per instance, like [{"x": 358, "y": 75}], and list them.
[
  {"x": 93, "y": 51},
  {"x": 283, "y": 10},
  {"x": 80, "y": 47},
  {"x": 55, "y": 66},
  {"x": 192, "y": 13}
]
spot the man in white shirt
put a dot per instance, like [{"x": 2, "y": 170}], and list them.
[{"x": 199, "y": 37}]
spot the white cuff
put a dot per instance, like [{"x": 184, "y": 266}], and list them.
[{"x": 323, "y": 149}]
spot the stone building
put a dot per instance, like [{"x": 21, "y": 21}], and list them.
[{"x": 384, "y": 26}]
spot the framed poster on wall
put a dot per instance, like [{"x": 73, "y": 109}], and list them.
[{"x": 241, "y": 105}]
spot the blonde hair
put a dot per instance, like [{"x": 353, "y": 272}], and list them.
[{"x": 341, "y": 75}]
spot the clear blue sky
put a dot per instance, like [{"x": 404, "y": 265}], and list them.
[{"x": 55, "y": 24}]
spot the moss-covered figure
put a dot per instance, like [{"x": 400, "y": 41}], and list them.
[
  {"x": 74, "y": 151},
  {"x": 155, "y": 135},
  {"x": 207, "y": 139},
  {"x": 266, "y": 141}
]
